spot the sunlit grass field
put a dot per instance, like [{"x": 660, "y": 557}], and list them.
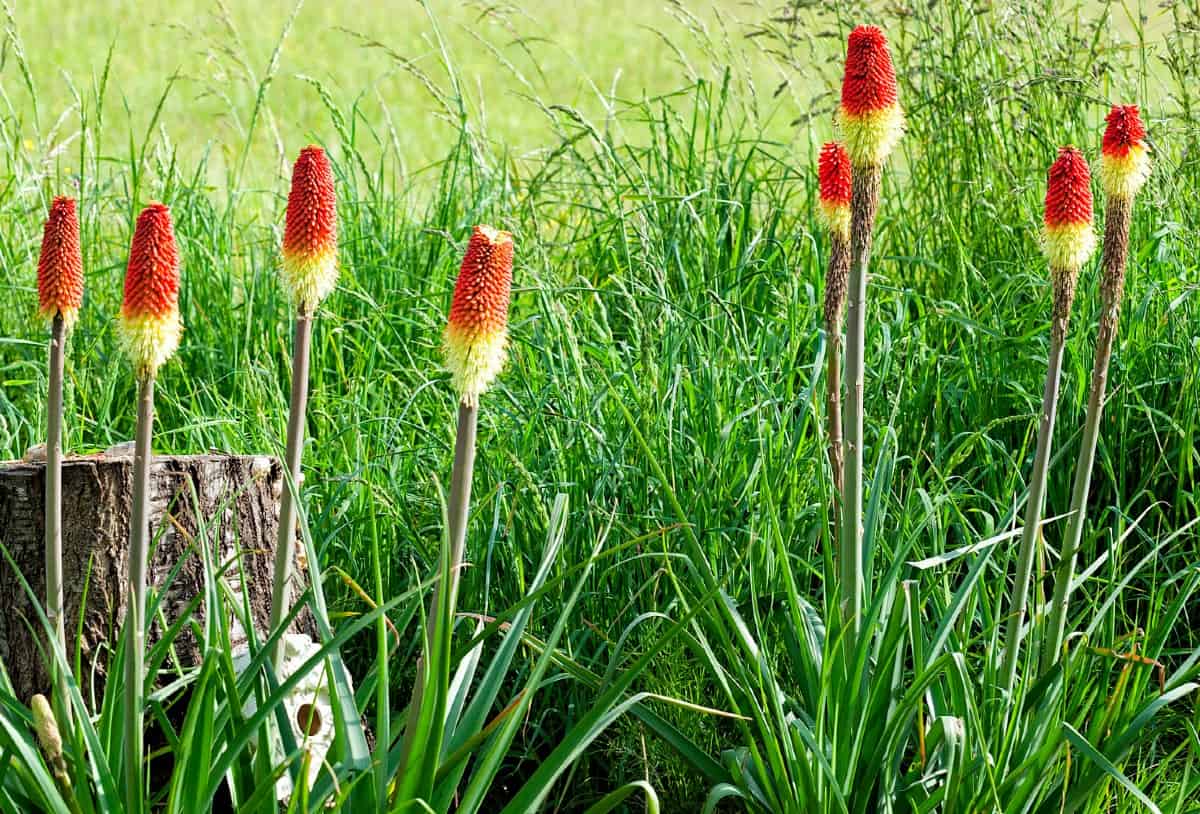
[
  {"x": 377, "y": 59},
  {"x": 655, "y": 162}
]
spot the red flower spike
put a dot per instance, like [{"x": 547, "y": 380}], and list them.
[
  {"x": 477, "y": 330},
  {"x": 1125, "y": 131},
  {"x": 869, "y": 84},
  {"x": 60, "y": 264},
  {"x": 870, "y": 116},
  {"x": 310, "y": 235},
  {"x": 149, "y": 322},
  {"x": 833, "y": 169},
  {"x": 833, "y": 173},
  {"x": 1069, "y": 189},
  {"x": 1069, "y": 239},
  {"x": 1124, "y": 159}
]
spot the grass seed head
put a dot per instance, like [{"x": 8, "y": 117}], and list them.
[
  {"x": 150, "y": 326},
  {"x": 310, "y": 264},
  {"x": 477, "y": 332},
  {"x": 870, "y": 117},
  {"x": 1124, "y": 158},
  {"x": 60, "y": 265},
  {"x": 1068, "y": 239},
  {"x": 833, "y": 172}
]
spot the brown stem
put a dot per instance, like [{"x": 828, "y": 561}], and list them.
[{"x": 836, "y": 277}]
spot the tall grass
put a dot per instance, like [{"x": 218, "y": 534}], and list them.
[{"x": 670, "y": 272}]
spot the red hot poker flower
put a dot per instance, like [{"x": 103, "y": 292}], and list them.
[
  {"x": 1125, "y": 130},
  {"x": 150, "y": 324},
  {"x": 1069, "y": 239},
  {"x": 1124, "y": 159},
  {"x": 870, "y": 116},
  {"x": 60, "y": 265},
  {"x": 310, "y": 266},
  {"x": 477, "y": 330},
  {"x": 869, "y": 83},
  {"x": 833, "y": 174}
]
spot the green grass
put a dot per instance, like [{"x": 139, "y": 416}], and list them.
[
  {"x": 575, "y": 54},
  {"x": 668, "y": 265}
]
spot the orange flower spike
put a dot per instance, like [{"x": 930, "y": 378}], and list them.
[
  {"x": 1124, "y": 158},
  {"x": 833, "y": 174},
  {"x": 60, "y": 265},
  {"x": 1069, "y": 240},
  {"x": 150, "y": 326},
  {"x": 871, "y": 118},
  {"x": 477, "y": 332},
  {"x": 310, "y": 264}
]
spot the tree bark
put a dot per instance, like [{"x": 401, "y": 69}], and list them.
[{"x": 229, "y": 502}]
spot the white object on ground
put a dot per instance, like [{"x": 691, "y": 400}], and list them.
[{"x": 308, "y": 706}]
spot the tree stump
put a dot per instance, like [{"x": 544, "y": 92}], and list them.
[{"x": 228, "y": 503}]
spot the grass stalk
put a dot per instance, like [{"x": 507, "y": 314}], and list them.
[
  {"x": 1112, "y": 288},
  {"x": 1064, "y": 295},
  {"x": 135, "y": 614},
  {"x": 864, "y": 204},
  {"x": 54, "y": 455},
  {"x": 383, "y": 684},
  {"x": 288, "y": 502}
]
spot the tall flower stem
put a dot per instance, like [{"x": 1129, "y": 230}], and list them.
[
  {"x": 60, "y": 295},
  {"x": 309, "y": 270},
  {"x": 864, "y": 204},
  {"x": 1037, "y": 486},
  {"x": 54, "y": 455},
  {"x": 835, "y": 183},
  {"x": 150, "y": 328},
  {"x": 1112, "y": 288},
  {"x": 871, "y": 121},
  {"x": 135, "y": 613},
  {"x": 476, "y": 339},
  {"x": 460, "y": 497},
  {"x": 284, "y": 554},
  {"x": 1068, "y": 241},
  {"x": 457, "y": 510}
]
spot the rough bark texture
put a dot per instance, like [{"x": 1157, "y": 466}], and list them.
[
  {"x": 836, "y": 277},
  {"x": 232, "y": 502},
  {"x": 1064, "y": 296},
  {"x": 1114, "y": 258}
]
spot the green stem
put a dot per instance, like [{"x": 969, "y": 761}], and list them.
[
  {"x": 457, "y": 510},
  {"x": 1116, "y": 247},
  {"x": 135, "y": 612},
  {"x": 460, "y": 498},
  {"x": 1064, "y": 292},
  {"x": 289, "y": 499},
  {"x": 864, "y": 203},
  {"x": 54, "y": 456}
]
